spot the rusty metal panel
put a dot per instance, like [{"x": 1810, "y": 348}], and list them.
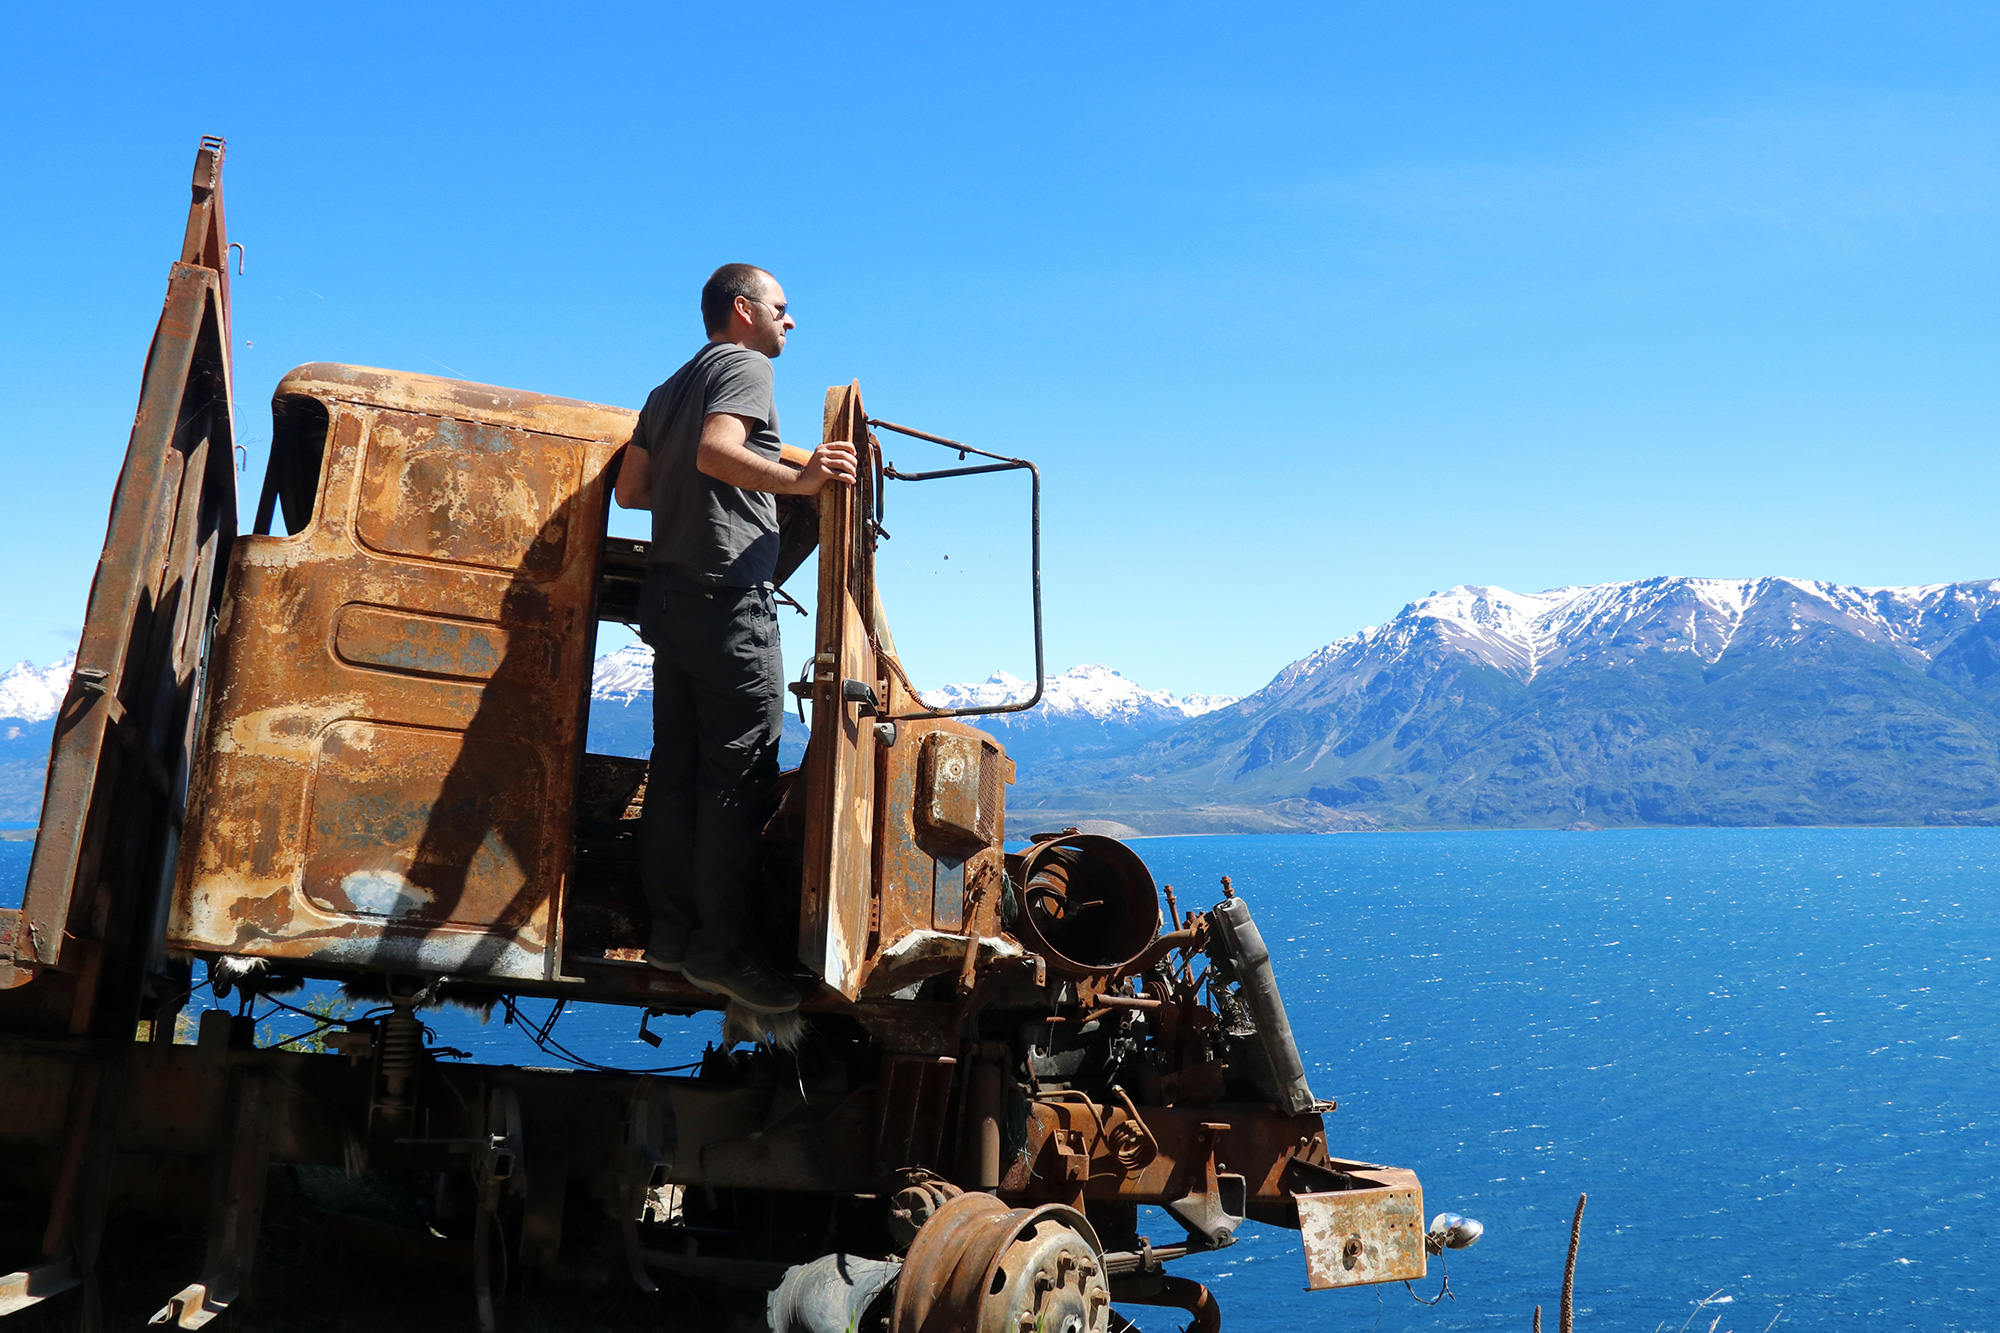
[
  {"x": 932, "y": 856},
  {"x": 392, "y": 640},
  {"x": 464, "y": 492},
  {"x": 948, "y": 789},
  {"x": 834, "y": 910},
  {"x": 899, "y": 838},
  {"x": 1367, "y": 1235},
  {"x": 926, "y": 864},
  {"x": 379, "y": 845},
  {"x": 906, "y": 877},
  {"x": 118, "y": 762},
  {"x": 389, "y": 759},
  {"x": 10, "y": 928}
]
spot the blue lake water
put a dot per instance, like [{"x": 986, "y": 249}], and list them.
[
  {"x": 1767, "y": 1055},
  {"x": 14, "y": 858}
]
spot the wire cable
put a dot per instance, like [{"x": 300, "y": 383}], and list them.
[
  {"x": 1443, "y": 1291},
  {"x": 545, "y": 1041}
]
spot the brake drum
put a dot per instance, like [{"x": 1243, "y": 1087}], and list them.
[{"x": 979, "y": 1265}]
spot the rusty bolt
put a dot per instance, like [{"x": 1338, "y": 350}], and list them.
[{"x": 1353, "y": 1247}]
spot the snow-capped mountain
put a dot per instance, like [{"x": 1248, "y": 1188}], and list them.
[
  {"x": 1659, "y": 701},
  {"x": 1090, "y": 690},
  {"x": 33, "y": 694},
  {"x": 621, "y": 708},
  {"x": 1525, "y": 634},
  {"x": 1083, "y": 710},
  {"x": 622, "y": 676},
  {"x": 30, "y": 695}
]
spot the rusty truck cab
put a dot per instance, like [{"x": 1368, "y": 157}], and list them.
[
  {"x": 355, "y": 752},
  {"x": 386, "y": 774},
  {"x": 391, "y": 774}
]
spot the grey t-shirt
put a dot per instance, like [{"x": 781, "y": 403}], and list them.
[{"x": 706, "y": 530}]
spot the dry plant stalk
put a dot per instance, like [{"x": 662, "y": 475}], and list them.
[
  {"x": 1569, "y": 1269},
  {"x": 1566, "y": 1316}
]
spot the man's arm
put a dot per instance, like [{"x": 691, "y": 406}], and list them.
[
  {"x": 725, "y": 454},
  {"x": 635, "y": 478}
]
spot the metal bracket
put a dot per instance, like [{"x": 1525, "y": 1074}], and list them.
[
  {"x": 1214, "y": 1211},
  {"x": 31, "y": 1286},
  {"x": 860, "y": 692}
]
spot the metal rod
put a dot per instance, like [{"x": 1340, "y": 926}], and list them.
[
  {"x": 267, "y": 499},
  {"x": 1002, "y": 464},
  {"x": 891, "y": 472},
  {"x": 939, "y": 439}
]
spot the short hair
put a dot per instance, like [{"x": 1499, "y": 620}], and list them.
[{"x": 719, "y": 293}]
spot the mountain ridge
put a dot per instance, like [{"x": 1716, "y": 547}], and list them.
[
  {"x": 1622, "y": 703},
  {"x": 30, "y": 697},
  {"x": 1672, "y": 700},
  {"x": 1085, "y": 709},
  {"x": 29, "y": 693},
  {"x": 1088, "y": 709},
  {"x": 1524, "y": 632}
]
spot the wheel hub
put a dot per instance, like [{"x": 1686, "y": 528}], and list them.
[
  {"x": 979, "y": 1267},
  {"x": 1046, "y": 1280}
]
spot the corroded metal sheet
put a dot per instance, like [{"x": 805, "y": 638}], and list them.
[
  {"x": 379, "y": 845},
  {"x": 834, "y": 909},
  {"x": 464, "y": 492},
  {"x": 117, "y": 766},
  {"x": 927, "y": 870},
  {"x": 1366, "y": 1235},
  {"x": 947, "y": 795},
  {"x": 389, "y": 760},
  {"x": 391, "y": 640}
]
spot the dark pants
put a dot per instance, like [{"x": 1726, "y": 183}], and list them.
[{"x": 718, "y": 710}]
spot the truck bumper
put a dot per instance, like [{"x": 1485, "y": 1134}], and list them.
[{"x": 1357, "y": 1236}]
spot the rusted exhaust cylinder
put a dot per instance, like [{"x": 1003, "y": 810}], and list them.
[
  {"x": 985, "y": 1091},
  {"x": 1244, "y": 946},
  {"x": 1088, "y": 904}
]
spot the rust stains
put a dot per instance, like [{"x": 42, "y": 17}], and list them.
[{"x": 389, "y": 759}]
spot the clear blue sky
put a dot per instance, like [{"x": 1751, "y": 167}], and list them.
[{"x": 1306, "y": 311}]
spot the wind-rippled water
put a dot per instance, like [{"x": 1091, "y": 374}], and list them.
[{"x": 1768, "y": 1056}]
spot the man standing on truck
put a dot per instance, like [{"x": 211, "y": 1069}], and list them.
[{"x": 705, "y": 458}]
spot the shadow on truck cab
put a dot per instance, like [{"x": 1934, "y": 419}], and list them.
[
  {"x": 354, "y": 752},
  {"x": 390, "y": 774}
]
